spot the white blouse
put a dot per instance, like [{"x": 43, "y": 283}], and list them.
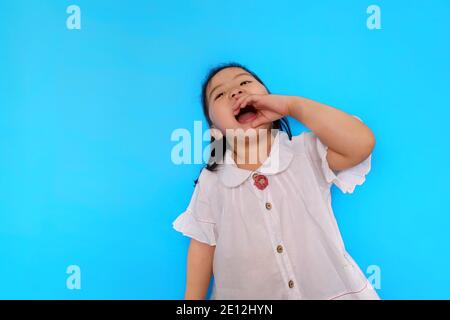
[{"x": 280, "y": 242}]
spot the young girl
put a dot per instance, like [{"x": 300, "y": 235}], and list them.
[{"x": 266, "y": 229}]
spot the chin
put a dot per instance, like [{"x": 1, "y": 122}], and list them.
[{"x": 247, "y": 130}]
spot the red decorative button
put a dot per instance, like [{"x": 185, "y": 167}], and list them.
[{"x": 260, "y": 181}]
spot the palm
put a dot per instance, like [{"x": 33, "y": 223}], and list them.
[
  {"x": 269, "y": 115},
  {"x": 269, "y": 107},
  {"x": 268, "y": 110}
]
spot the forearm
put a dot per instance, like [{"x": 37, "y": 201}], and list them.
[
  {"x": 341, "y": 132},
  {"x": 199, "y": 270}
]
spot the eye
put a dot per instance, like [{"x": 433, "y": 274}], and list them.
[
  {"x": 218, "y": 96},
  {"x": 246, "y": 81}
]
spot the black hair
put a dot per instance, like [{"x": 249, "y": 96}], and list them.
[{"x": 280, "y": 124}]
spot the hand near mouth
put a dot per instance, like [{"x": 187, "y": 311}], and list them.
[{"x": 269, "y": 107}]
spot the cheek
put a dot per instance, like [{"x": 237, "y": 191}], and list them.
[
  {"x": 219, "y": 116},
  {"x": 259, "y": 89}
]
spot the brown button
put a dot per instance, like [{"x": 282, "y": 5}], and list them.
[
  {"x": 254, "y": 175},
  {"x": 291, "y": 284},
  {"x": 268, "y": 205},
  {"x": 279, "y": 248}
]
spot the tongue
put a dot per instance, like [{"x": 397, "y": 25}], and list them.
[{"x": 246, "y": 117}]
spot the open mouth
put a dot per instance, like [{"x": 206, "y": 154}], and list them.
[{"x": 246, "y": 114}]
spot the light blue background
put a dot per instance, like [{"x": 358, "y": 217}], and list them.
[{"x": 86, "y": 117}]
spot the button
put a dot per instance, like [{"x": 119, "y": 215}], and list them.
[
  {"x": 279, "y": 248},
  {"x": 291, "y": 284},
  {"x": 254, "y": 175},
  {"x": 268, "y": 205}
]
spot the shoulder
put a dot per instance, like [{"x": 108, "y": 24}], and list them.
[
  {"x": 207, "y": 182},
  {"x": 300, "y": 143},
  {"x": 207, "y": 177}
]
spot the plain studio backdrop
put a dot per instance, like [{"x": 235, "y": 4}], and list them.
[{"x": 88, "y": 188}]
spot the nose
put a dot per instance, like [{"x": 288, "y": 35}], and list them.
[{"x": 236, "y": 93}]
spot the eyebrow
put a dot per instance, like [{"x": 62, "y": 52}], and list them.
[{"x": 239, "y": 74}]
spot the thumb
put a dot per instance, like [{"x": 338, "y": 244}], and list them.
[{"x": 260, "y": 119}]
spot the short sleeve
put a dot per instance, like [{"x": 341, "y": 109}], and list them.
[
  {"x": 346, "y": 180},
  {"x": 197, "y": 221}
]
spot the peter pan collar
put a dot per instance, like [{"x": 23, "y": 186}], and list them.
[{"x": 278, "y": 160}]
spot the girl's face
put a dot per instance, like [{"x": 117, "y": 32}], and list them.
[{"x": 223, "y": 90}]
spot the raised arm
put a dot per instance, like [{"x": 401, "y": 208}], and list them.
[{"x": 349, "y": 140}]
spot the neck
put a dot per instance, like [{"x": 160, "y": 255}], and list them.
[{"x": 250, "y": 153}]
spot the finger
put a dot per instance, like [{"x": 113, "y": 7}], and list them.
[
  {"x": 250, "y": 99},
  {"x": 237, "y": 103},
  {"x": 242, "y": 97}
]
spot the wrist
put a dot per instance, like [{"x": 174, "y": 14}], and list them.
[{"x": 294, "y": 106}]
